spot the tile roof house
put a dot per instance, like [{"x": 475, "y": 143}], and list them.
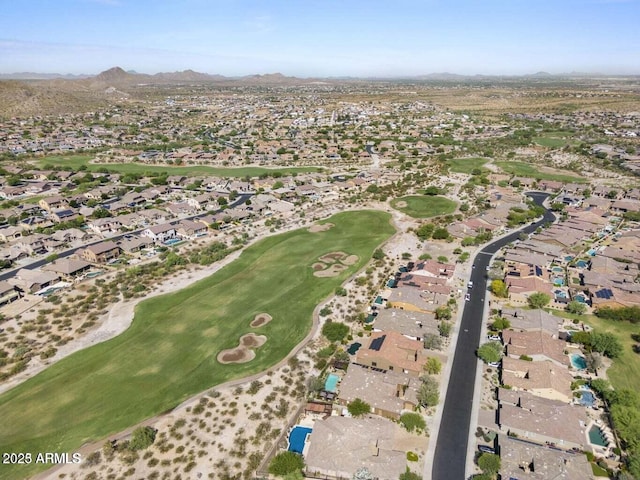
[
  {"x": 160, "y": 233},
  {"x": 532, "y": 320},
  {"x": 528, "y": 461},
  {"x": 389, "y": 394},
  {"x": 33, "y": 280},
  {"x": 67, "y": 267},
  {"x": 392, "y": 351},
  {"x": 413, "y": 325},
  {"x": 544, "y": 379},
  {"x": 101, "y": 252},
  {"x": 542, "y": 420},
  {"x": 538, "y": 345},
  {"x": 341, "y": 445}
]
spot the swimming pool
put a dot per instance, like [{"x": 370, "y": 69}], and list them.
[
  {"x": 558, "y": 282},
  {"x": 582, "y": 264},
  {"x": 353, "y": 348},
  {"x": 557, "y": 269},
  {"x": 297, "y": 438},
  {"x": 596, "y": 437},
  {"x": 379, "y": 300},
  {"x": 568, "y": 258},
  {"x": 578, "y": 362},
  {"x": 592, "y": 252},
  {"x": 331, "y": 384},
  {"x": 587, "y": 398},
  {"x": 172, "y": 241}
]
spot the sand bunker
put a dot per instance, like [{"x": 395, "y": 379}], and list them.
[
  {"x": 320, "y": 228},
  {"x": 260, "y": 320},
  {"x": 401, "y": 204},
  {"x": 350, "y": 260},
  {"x": 332, "y": 263},
  {"x": 331, "y": 271},
  {"x": 333, "y": 257},
  {"x": 243, "y": 352}
]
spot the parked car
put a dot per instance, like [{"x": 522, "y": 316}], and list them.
[
  {"x": 494, "y": 364},
  {"x": 486, "y": 449},
  {"x": 467, "y": 297}
]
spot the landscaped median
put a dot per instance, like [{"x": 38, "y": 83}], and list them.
[{"x": 170, "y": 351}]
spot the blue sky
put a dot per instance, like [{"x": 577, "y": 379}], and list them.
[{"x": 321, "y": 38}]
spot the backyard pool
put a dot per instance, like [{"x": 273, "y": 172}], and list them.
[
  {"x": 379, "y": 300},
  {"x": 331, "y": 384},
  {"x": 172, "y": 241},
  {"x": 392, "y": 283},
  {"x": 587, "y": 398},
  {"x": 559, "y": 282},
  {"x": 353, "y": 348},
  {"x": 568, "y": 258},
  {"x": 596, "y": 437},
  {"x": 578, "y": 362},
  {"x": 582, "y": 264},
  {"x": 557, "y": 269},
  {"x": 94, "y": 274},
  {"x": 592, "y": 252},
  {"x": 297, "y": 438}
]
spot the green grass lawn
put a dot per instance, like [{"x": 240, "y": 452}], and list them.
[
  {"x": 425, "y": 206},
  {"x": 554, "y": 142},
  {"x": 169, "y": 352},
  {"x": 625, "y": 371},
  {"x": 521, "y": 169},
  {"x": 465, "y": 165},
  {"x": 76, "y": 161}
]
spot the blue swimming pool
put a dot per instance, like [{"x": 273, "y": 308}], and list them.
[
  {"x": 172, "y": 241},
  {"x": 582, "y": 264},
  {"x": 331, "y": 384},
  {"x": 379, "y": 300},
  {"x": 587, "y": 398},
  {"x": 592, "y": 252},
  {"x": 596, "y": 437},
  {"x": 353, "y": 348},
  {"x": 578, "y": 362},
  {"x": 297, "y": 437}
]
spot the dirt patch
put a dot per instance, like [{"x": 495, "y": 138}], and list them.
[
  {"x": 320, "y": 228},
  {"x": 333, "y": 271},
  {"x": 350, "y": 260},
  {"x": 260, "y": 320},
  {"x": 401, "y": 204},
  {"x": 243, "y": 352}
]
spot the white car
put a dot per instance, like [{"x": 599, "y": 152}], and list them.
[
  {"x": 467, "y": 297},
  {"x": 494, "y": 364}
]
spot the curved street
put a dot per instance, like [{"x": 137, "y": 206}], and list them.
[{"x": 450, "y": 458}]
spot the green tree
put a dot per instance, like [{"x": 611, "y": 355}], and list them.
[
  {"x": 489, "y": 463},
  {"x": 442, "y": 259},
  {"x": 100, "y": 213},
  {"x": 409, "y": 475},
  {"x": 432, "y": 341},
  {"x": 378, "y": 254},
  {"x": 428, "y": 392},
  {"x": 412, "y": 421},
  {"x": 538, "y": 300},
  {"x": 607, "y": 344},
  {"x": 142, "y": 438},
  {"x": 499, "y": 288},
  {"x": 431, "y": 190},
  {"x": 575, "y": 307},
  {"x": 286, "y": 462},
  {"x": 444, "y": 328},
  {"x": 358, "y": 407},
  {"x": 433, "y": 366},
  {"x": 443, "y": 313},
  {"x": 490, "y": 352},
  {"x": 335, "y": 331},
  {"x": 440, "y": 233},
  {"x": 500, "y": 324},
  {"x": 425, "y": 231}
]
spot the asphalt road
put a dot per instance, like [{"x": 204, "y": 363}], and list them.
[
  {"x": 450, "y": 457},
  {"x": 66, "y": 253}
]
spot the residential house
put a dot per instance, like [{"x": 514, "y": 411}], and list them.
[
  {"x": 413, "y": 325},
  {"x": 105, "y": 226},
  {"x": 529, "y": 461},
  {"x": 67, "y": 268},
  {"x": 545, "y": 379},
  {"x": 532, "y": 320},
  {"x": 542, "y": 420},
  {"x": 9, "y": 234},
  {"x": 339, "y": 446},
  {"x": 8, "y": 293},
  {"x": 131, "y": 245},
  {"x": 415, "y": 300},
  {"x": 538, "y": 345},
  {"x": 190, "y": 229},
  {"x": 389, "y": 394},
  {"x": 392, "y": 351},
  {"x": 160, "y": 233},
  {"x": 33, "y": 244},
  {"x": 63, "y": 215},
  {"x": 102, "y": 252},
  {"x": 53, "y": 203},
  {"x": 33, "y": 280}
]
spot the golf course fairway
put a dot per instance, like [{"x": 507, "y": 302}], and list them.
[{"x": 169, "y": 352}]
